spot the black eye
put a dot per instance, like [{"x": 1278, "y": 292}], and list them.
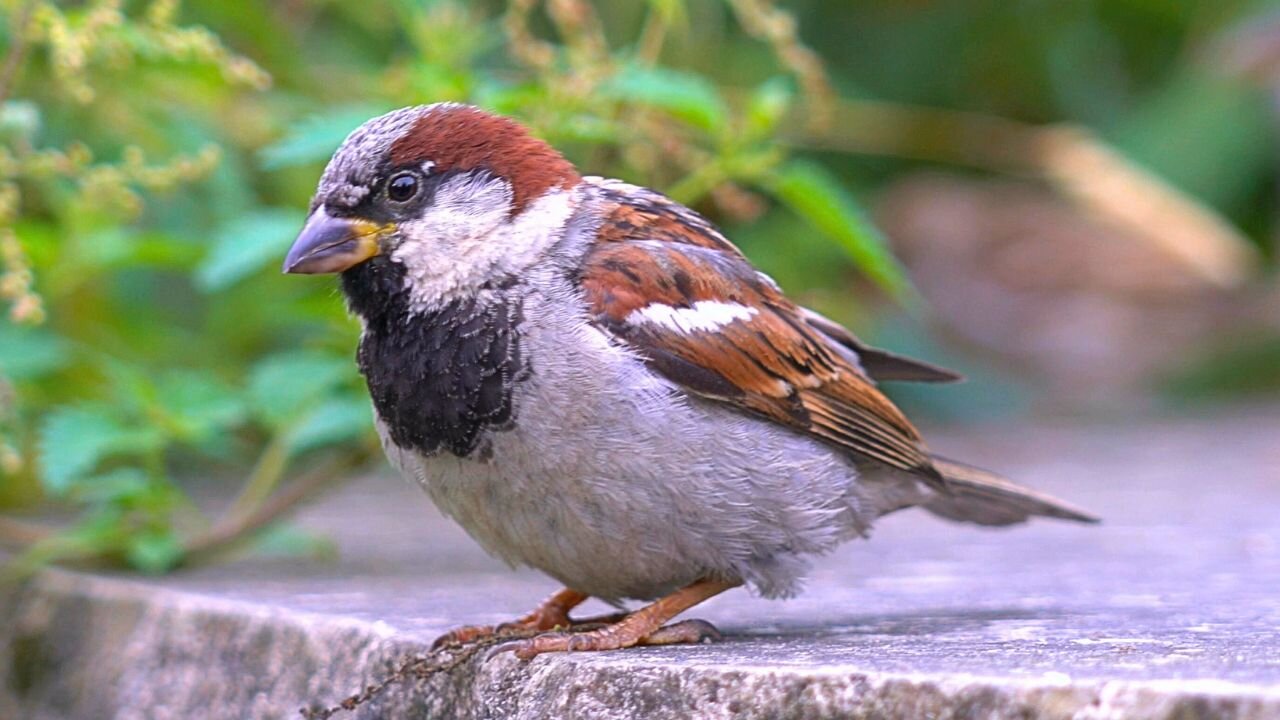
[{"x": 402, "y": 187}]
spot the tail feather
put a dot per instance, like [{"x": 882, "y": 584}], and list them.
[{"x": 982, "y": 497}]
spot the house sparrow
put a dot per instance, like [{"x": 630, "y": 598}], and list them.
[{"x": 593, "y": 381}]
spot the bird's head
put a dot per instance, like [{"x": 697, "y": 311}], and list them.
[{"x": 445, "y": 197}]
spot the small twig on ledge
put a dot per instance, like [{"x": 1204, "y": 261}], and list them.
[
  {"x": 436, "y": 661},
  {"x": 417, "y": 667}
]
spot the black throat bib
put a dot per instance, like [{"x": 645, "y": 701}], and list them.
[{"x": 439, "y": 377}]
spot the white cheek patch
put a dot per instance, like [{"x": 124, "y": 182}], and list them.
[
  {"x": 702, "y": 316},
  {"x": 467, "y": 239}
]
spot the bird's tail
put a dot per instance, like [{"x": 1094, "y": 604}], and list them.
[{"x": 982, "y": 497}]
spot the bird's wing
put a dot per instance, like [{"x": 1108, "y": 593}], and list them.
[
  {"x": 668, "y": 286},
  {"x": 635, "y": 213},
  {"x": 881, "y": 365}
]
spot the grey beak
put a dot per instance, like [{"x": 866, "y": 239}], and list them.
[{"x": 330, "y": 244}]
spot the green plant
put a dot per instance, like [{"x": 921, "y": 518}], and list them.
[
  {"x": 108, "y": 406},
  {"x": 149, "y": 185},
  {"x": 171, "y": 350}
]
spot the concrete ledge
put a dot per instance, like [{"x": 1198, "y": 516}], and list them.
[
  {"x": 1170, "y": 610},
  {"x": 92, "y": 647}
]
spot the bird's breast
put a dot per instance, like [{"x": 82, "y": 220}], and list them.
[
  {"x": 617, "y": 483},
  {"x": 441, "y": 378}
]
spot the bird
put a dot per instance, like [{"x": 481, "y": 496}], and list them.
[{"x": 594, "y": 382}]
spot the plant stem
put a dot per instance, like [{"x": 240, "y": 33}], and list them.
[
  {"x": 1082, "y": 168},
  {"x": 52, "y": 548},
  {"x": 695, "y": 185},
  {"x": 234, "y": 528},
  {"x": 39, "y": 544},
  {"x": 652, "y": 37},
  {"x": 764, "y": 20},
  {"x": 264, "y": 478},
  {"x": 20, "y": 534},
  {"x": 869, "y": 127}
]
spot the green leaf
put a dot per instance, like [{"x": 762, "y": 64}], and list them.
[
  {"x": 815, "y": 195},
  {"x": 1247, "y": 368},
  {"x": 247, "y": 245},
  {"x": 200, "y": 404},
  {"x": 19, "y": 122},
  {"x": 334, "y": 421},
  {"x": 105, "y": 248},
  {"x": 673, "y": 12},
  {"x": 691, "y": 98},
  {"x": 314, "y": 139},
  {"x": 73, "y": 440},
  {"x": 132, "y": 386},
  {"x": 95, "y": 533},
  {"x": 117, "y": 486},
  {"x": 153, "y": 551},
  {"x": 28, "y": 353},
  {"x": 769, "y": 103},
  {"x": 1214, "y": 123},
  {"x": 283, "y": 386}
]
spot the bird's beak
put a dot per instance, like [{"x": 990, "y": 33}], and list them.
[{"x": 329, "y": 244}]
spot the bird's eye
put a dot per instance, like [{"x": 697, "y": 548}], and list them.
[{"x": 402, "y": 187}]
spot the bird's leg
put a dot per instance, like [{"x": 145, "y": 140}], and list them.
[
  {"x": 642, "y": 627},
  {"x": 551, "y": 614}
]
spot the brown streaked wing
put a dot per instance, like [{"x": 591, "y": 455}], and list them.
[
  {"x": 633, "y": 213},
  {"x": 881, "y": 365},
  {"x": 773, "y": 363}
]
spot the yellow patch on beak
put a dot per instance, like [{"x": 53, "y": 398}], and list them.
[{"x": 330, "y": 244}]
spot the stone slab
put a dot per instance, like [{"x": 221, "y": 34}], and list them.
[{"x": 1170, "y": 609}]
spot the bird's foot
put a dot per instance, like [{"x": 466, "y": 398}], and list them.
[
  {"x": 552, "y": 614},
  {"x": 616, "y": 636},
  {"x": 642, "y": 627}
]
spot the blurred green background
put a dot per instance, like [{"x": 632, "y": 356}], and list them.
[{"x": 1072, "y": 202}]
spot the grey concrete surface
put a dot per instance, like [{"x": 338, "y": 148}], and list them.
[{"x": 1170, "y": 609}]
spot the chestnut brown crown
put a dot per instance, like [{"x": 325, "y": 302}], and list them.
[{"x": 463, "y": 138}]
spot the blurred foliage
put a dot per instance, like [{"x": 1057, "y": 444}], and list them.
[
  {"x": 171, "y": 348},
  {"x": 150, "y": 182}
]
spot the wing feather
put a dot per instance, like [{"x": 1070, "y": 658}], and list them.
[{"x": 703, "y": 317}]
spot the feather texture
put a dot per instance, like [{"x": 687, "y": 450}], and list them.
[{"x": 668, "y": 285}]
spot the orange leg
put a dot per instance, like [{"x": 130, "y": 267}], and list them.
[
  {"x": 551, "y": 614},
  {"x": 642, "y": 627}
]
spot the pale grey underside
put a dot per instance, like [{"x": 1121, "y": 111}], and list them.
[{"x": 618, "y": 484}]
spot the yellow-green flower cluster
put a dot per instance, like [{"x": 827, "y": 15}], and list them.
[
  {"x": 107, "y": 186},
  {"x": 16, "y": 277},
  {"x": 111, "y": 187},
  {"x": 101, "y": 34}
]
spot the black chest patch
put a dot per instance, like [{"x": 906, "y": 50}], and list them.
[{"x": 441, "y": 377}]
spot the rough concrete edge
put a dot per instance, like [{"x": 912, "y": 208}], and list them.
[{"x": 106, "y": 647}]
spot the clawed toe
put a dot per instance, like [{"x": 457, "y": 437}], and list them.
[
  {"x": 463, "y": 636},
  {"x": 553, "y": 613},
  {"x": 611, "y": 632},
  {"x": 686, "y": 632},
  {"x": 615, "y": 637}
]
